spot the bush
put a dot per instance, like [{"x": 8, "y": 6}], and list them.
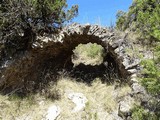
[
  {"x": 139, "y": 113},
  {"x": 88, "y": 54},
  {"x": 94, "y": 50},
  {"x": 151, "y": 79},
  {"x": 22, "y": 20},
  {"x": 143, "y": 17}
]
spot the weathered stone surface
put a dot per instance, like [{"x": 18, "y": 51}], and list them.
[
  {"x": 126, "y": 62},
  {"x": 148, "y": 55},
  {"x": 137, "y": 88},
  {"x": 113, "y": 116},
  {"x": 119, "y": 49},
  {"x": 132, "y": 65},
  {"x": 125, "y": 106},
  {"x": 105, "y": 37},
  {"x": 134, "y": 80},
  {"x": 53, "y": 112},
  {"x": 79, "y": 99},
  {"x": 50, "y": 46},
  {"x": 133, "y": 76},
  {"x": 132, "y": 71},
  {"x": 117, "y": 43}
]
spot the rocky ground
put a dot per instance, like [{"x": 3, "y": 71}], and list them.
[{"x": 71, "y": 100}]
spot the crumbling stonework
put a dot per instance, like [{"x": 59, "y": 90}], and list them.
[
  {"x": 55, "y": 51},
  {"x": 75, "y": 34}
]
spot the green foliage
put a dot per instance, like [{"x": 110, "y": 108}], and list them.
[
  {"x": 22, "y": 20},
  {"x": 139, "y": 113},
  {"x": 94, "y": 50},
  {"x": 121, "y": 18},
  {"x": 91, "y": 50},
  {"x": 151, "y": 79},
  {"x": 88, "y": 54},
  {"x": 144, "y": 17},
  {"x": 151, "y": 71}
]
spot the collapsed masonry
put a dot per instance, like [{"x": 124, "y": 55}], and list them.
[{"x": 53, "y": 52}]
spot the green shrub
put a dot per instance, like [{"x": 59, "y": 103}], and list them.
[
  {"x": 139, "y": 113},
  {"x": 90, "y": 50},
  {"x": 22, "y": 20},
  {"x": 151, "y": 79},
  {"x": 142, "y": 17},
  {"x": 88, "y": 54},
  {"x": 94, "y": 50}
]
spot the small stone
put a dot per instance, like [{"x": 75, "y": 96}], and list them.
[
  {"x": 137, "y": 88},
  {"x": 133, "y": 75},
  {"x": 131, "y": 66},
  {"x": 119, "y": 49},
  {"x": 87, "y": 24},
  {"x": 117, "y": 43},
  {"x": 41, "y": 103},
  {"x": 125, "y": 106},
  {"x": 132, "y": 71},
  {"x": 134, "y": 80},
  {"x": 53, "y": 112},
  {"x": 125, "y": 62},
  {"x": 114, "y": 116},
  {"x": 79, "y": 99}
]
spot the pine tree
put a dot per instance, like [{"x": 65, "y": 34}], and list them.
[
  {"x": 22, "y": 20},
  {"x": 144, "y": 17}
]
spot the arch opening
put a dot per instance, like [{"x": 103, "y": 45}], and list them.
[
  {"x": 49, "y": 63},
  {"x": 63, "y": 62}
]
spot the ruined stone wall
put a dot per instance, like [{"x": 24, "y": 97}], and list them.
[
  {"x": 58, "y": 48},
  {"x": 75, "y": 34}
]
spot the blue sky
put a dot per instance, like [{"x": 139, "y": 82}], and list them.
[{"x": 101, "y": 12}]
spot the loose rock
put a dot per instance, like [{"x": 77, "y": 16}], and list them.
[
  {"x": 79, "y": 99},
  {"x": 53, "y": 112},
  {"x": 125, "y": 106}
]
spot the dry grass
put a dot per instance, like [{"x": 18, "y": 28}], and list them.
[
  {"x": 102, "y": 100},
  {"x": 15, "y": 108}
]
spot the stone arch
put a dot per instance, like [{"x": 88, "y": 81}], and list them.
[
  {"x": 75, "y": 34},
  {"x": 51, "y": 48}
]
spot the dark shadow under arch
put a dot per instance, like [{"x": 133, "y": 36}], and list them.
[{"x": 48, "y": 64}]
